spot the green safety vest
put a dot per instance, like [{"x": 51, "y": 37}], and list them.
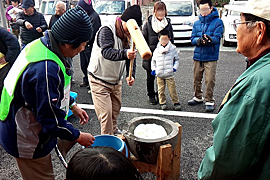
[{"x": 34, "y": 52}]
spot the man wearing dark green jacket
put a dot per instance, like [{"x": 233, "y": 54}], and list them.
[{"x": 241, "y": 145}]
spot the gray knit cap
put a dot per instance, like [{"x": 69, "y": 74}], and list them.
[{"x": 73, "y": 27}]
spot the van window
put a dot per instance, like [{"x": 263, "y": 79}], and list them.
[
  {"x": 50, "y": 7},
  {"x": 47, "y": 7},
  {"x": 183, "y": 8},
  {"x": 110, "y": 7},
  {"x": 42, "y": 7}
]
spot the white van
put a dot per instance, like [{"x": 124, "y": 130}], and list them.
[
  {"x": 183, "y": 14},
  {"x": 109, "y": 9},
  {"x": 228, "y": 16}
]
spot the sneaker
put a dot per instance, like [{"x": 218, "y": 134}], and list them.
[
  {"x": 177, "y": 107},
  {"x": 193, "y": 102},
  {"x": 163, "y": 106},
  {"x": 209, "y": 108},
  {"x": 152, "y": 100},
  {"x": 117, "y": 132},
  {"x": 84, "y": 84}
]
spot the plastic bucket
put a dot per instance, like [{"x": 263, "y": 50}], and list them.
[
  {"x": 110, "y": 141},
  {"x": 74, "y": 95}
]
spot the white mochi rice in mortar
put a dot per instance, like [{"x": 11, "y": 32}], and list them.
[{"x": 150, "y": 131}]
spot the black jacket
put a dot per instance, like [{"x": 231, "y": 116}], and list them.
[
  {"x": 9, "y": 45},
  {"x": 37, "y": 20},
  {"x": 96, "y": 23},
  {"x": 151, "y": 36},
  {"x": 54, "y": 18}
]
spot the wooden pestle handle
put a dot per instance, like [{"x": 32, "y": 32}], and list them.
[
  {"x": 131, "y": 62},
  {"x": 138, "y": 38}
]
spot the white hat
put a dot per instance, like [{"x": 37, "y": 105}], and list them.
[{"x": 260, "y": 8}]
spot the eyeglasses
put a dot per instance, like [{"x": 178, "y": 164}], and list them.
[
  {"x": 237, "y": 22},
  {"x": 204, "y": 10}
]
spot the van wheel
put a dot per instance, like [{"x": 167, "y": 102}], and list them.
[{"x": 225, "y": 43}]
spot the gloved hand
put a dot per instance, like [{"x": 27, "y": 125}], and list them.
[
  {"x": 200, "y": 42},
  {"x": 153, "y": 73},
  {"x": 207, "y": 39},
  {"x": 174, "y": 70}
]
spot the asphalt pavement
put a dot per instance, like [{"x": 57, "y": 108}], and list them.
[{"x": 197, "y": 133}]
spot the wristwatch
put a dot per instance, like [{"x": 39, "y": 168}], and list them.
[{"x": 73, "y": 104}]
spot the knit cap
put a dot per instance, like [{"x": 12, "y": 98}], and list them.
[
  {"x": 73, "y": 27},
  {"x": 133, "y": 12}
]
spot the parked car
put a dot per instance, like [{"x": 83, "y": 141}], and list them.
[
  {"x": 228, "y": 16},
  {"x": 47, "y": 7},
  {"x": 109, "y": 9},
  {"x": 183, "y": 14}
]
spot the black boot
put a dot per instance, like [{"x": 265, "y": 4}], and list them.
[{"x": 152, "y": 100}]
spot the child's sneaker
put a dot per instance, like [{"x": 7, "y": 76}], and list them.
[
  {"x": 177, "y": 107},
  {"x": 163, "y": 106}
]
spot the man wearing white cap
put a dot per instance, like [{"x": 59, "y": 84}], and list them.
[{"x": 241, "y": 145}]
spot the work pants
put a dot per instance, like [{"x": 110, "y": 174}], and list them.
[
  {"x": 107, "y": 102},
  {"x": 209, "y": 68},
  {"x": 161, "y": 90},
  {"x": 33, "y": 169}
]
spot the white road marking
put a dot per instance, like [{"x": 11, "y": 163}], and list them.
[
  {"x": 191, "y": 48},
  {"x": 158, "y": 112}
]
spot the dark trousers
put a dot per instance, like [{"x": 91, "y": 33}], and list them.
[
  {"x": 70, "y": 62},
  {"x": 3, "y": 74},
  {"x": 150, "y": 84},
  {"x": 84, "y": 60},
  {"x": 23, "y": 46}
]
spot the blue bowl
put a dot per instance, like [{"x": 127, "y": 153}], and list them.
[{"x": 110, "y": 141}]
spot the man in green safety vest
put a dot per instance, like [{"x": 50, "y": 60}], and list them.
[{"x": 35, "y": 98}]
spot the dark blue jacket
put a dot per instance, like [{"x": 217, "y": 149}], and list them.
[
  {"x": 95, "y": 21},
  {"x": 212, "y": 26},
  {"x": 9, "y": 45},
  {"x": 40, "y": 90}
]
